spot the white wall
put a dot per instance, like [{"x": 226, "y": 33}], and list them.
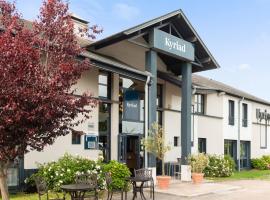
[{"x": 88, "y": 82}]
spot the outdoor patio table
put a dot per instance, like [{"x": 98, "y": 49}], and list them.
[
  {"x": 141, "y": 181},
  {"x": 77, "y": 191}
]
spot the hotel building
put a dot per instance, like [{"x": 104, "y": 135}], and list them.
[{"x": 148, "y": 73}]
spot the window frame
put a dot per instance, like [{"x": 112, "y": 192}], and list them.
[
  {"x": 231, "y": 113},
  {"x": 75, "y": 142},
  {"x": 199, "y": 102},
  {"x": 244, "y": 115},
  {"x": 177, "y": 140},
  {"x": 204, "y": 142},
  {"x": 107, "y": 85}
]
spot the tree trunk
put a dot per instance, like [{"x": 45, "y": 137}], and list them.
[
  {"x": 3, "y": 182},
  {"x": 163, "y": 167}
]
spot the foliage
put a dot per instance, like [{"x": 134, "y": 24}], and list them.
[
  {"x": 119, "y": 173},
  {"x": 245, "y": 175},
  {"x": 155, "y": 143},
  {"x": 38, "y": 68},
  {"x": 262, "y": 163},
  {"x": 198, "y": 162},
  {"x": 219, "y": 166},
  {"x": 65, "y": 170}
]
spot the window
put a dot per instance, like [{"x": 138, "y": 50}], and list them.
[
  {"x": 104, "y": 85},
  {"x": 76, "y": 137},
  {"x": 230, "y": 148},
  {"x": 176, "y": 141},
  {"x": 263, "y": 136},
  {"x": 244, "y": 115},
  {"x": 231, "y": 112},
  {"x": 199, "y": 103},
  {"x": 12, "y": 177},
  {"x": 159, "y": 104},
  {"x": 202, "y": 145},
  {"x": 104, "y": 129}
]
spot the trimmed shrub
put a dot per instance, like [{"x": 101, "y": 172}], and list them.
[
  {"x": 219, "y": 166},
  {"x": 198, "y": 162},
  {"x": 262, "y": 163},
  {"x": 119, "y": 173},
  {"x": 65, "y": 170}
]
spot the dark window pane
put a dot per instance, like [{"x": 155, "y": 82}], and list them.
[
  {"x": 104, "y": 130},
  {"x": 76, "y": 138},
  {"x": 202, "y": 145},
  {"x": 176, "y": 141},
  {"x": 231, "y": 112}
]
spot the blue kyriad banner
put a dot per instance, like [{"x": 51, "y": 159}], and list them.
[{"x": 131, "y": 105}]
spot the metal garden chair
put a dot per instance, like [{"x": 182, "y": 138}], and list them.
[
  {"x": 42, "y": 189},
  {"x": 91, "y": 180},
  {"x": 110, "y": 190},
  {"x": 146, "y": 173}
]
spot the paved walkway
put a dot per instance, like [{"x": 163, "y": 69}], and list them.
[
  {"x": 242, "y": 190},
  {"x": 247, "y": 190}
]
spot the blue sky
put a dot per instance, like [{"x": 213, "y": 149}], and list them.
[{"x": 237, "y": 32}]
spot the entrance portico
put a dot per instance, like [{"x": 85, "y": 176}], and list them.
[{"x": 168, "y": 44}]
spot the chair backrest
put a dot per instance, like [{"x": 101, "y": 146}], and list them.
[
  {"x": 143, "y": 173},
  {"x": 41, "y": 185},
  {"x": 89, "y": 179},
  {"x": 108, "y": 178}
]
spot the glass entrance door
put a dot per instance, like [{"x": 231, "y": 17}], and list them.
[
  {"x": 130, "y": 151},
  {"x": 245, "y": 154}
]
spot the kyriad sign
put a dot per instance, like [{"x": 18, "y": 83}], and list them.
[{"x": 171, "y": 45}]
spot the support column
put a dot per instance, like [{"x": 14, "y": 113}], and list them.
[
  {"x": 151, "y": 66},
  {"x": 114, "y": 117},
  {"x": 186, "y": 112}
]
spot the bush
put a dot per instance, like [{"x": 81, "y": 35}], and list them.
[
  {"x": 65, "y": 170},
  {"x": 198, "y": 162},
  {"x": 119, "y": 173},
  {"x": 262, "y": 163},
  {"x": 219, "y": 166}
]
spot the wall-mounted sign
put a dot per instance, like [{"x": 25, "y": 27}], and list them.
[
  {"x": 172, "y": 45},
  {"x": 131, "y": 105},
  {"x": 262, "y": 115},
  {"x": 90, "y": 142},
  {"x": 90, "y": 126}
]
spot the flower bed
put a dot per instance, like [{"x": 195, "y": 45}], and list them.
[{"x": 64, "y": 171}]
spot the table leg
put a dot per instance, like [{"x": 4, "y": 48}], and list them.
[
  {"x": 134, "y": 191},
  {"x": 141, "y": 191},
  {"x": 77, "y": 195}
]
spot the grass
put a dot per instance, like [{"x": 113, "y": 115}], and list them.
[
  {"x": 246, "y": 175},
  {"x": 23, "y": 196}
]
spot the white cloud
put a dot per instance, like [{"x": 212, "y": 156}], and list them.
[
  {"x": 244, "y": 66},
  {"x": 125, "y": 11}
]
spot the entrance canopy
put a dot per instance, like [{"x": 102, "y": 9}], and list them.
[{"x": 175, "y": 24}]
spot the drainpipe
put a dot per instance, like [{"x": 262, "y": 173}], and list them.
[
  {"x": 239, "y": 134},
  {"x": 147, "y": 83}
]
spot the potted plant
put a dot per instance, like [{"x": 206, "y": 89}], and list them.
[
  {"x": 155, "y": 144},
  {"x": 198, "y": 163}
]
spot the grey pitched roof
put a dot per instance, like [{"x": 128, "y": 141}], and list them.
[
  {"x": 221, "y": 87},
  {"x": 205, "y": 60}
]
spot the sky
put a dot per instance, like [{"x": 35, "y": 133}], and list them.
[{"x": 237, "y": 32}]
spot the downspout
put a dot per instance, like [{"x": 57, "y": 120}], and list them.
[
  {"x": 146, "y": 91},
  {"x": 239, "y": 134}
]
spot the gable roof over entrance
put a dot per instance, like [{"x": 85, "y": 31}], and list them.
[{"x": 181, "y": 26}]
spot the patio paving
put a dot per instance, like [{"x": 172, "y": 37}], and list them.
[{"x": 188, "y": 189}]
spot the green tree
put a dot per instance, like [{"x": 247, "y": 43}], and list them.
[{"x": 155, "y": 143}]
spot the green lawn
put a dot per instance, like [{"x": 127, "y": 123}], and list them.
[
  {"x": 246, "y": 175},
  {"x": 22, "y": 196}
]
